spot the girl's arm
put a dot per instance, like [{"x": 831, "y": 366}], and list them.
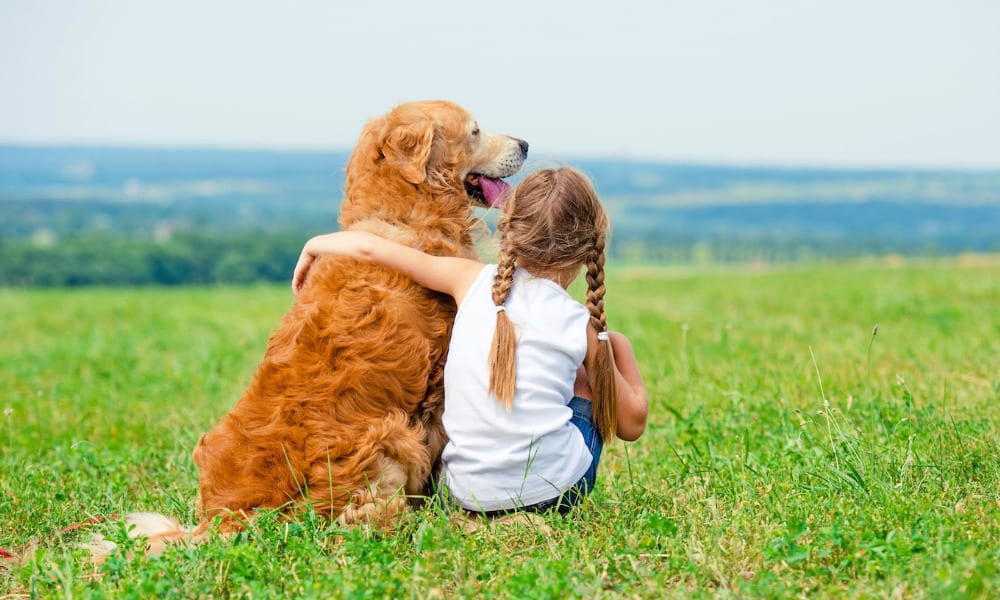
[
  {"x": 446, "y": 274},
  {"x": 633, "y": 405}
]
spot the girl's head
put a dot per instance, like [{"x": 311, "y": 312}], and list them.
[
  {"x": 552, "y": 226},
  {"x": 553, "y": 222}
]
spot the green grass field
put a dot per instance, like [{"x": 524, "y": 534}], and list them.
[{"x": 791, "y": 450}]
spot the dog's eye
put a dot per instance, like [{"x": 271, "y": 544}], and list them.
[{"x": 475, "y": 131}]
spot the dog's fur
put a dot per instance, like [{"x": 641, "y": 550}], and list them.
[{"x": 344, "y": 411}]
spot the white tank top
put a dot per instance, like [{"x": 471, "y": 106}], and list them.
[{"x": 497, "y": 460}]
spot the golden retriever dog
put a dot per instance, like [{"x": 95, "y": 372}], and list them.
[{"x": 344, "y": 410}]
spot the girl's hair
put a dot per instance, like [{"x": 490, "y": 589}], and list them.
[{"x": 552, "y": 224}]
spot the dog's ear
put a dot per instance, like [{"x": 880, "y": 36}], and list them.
[{"x": 407, "y": 147}]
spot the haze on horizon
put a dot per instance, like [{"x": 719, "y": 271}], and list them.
[{"x": 852, "y": 83}]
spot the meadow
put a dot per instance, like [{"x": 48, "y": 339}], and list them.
[{"x": 825, "y": 430}]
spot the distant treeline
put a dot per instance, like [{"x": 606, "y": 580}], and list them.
[
  {"x": 203, "y": 257},
  {"x": 189, "y": 258}
]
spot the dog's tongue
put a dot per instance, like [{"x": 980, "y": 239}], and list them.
[{"x": 495, "y": 191}]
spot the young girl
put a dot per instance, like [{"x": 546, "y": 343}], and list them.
[{"x": 528, "y": 365}]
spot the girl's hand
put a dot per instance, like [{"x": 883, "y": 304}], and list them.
[
  {"x": 305, "y": 261},
  {"x": 315, "y": 247}
]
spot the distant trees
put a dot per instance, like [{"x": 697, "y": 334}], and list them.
[
  {"x": 187, "y": 258},
  {"x": 215, "y": 257}
]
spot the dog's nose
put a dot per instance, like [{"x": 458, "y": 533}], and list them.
[{"x": 524, "y": 146}]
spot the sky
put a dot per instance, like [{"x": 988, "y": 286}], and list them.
[{"x": 858, "y": 83}]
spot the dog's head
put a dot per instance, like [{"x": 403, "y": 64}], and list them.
[{"x": 432, "y": 151}]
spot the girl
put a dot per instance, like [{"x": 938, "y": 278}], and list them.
[{"x": 527, "y": 364}]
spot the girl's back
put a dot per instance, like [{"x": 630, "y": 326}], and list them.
[{"x": 485, "y": 461}]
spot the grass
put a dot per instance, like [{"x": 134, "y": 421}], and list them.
[{"x": 828, "y": 431}]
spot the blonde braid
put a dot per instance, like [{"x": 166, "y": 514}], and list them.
[
  {"x": 502, "y": 361},
  {"x": 595, "y": 285},
  {"x": 605, "y": 401},
  {"x": 504, "y": 278}
]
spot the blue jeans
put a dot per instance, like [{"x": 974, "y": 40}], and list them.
[{"x": 583, "y": 420}]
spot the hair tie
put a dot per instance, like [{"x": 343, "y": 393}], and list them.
[
  {"x": 603, "y": 336},
  {"x": 501, "y": 308}
]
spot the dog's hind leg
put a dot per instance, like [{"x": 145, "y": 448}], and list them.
[
  {"x": 398, "y": 471},
  {"x": 381, "y": 502}
]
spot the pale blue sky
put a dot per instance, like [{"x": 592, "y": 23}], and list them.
[{"x": 839, "y": 83}]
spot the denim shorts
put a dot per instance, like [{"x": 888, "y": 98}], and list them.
[{"x": 583, "y": 420}]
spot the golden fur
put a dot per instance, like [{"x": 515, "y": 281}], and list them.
[{"x": 344, "y": 411}]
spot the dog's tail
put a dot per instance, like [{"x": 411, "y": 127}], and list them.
[{"x": 159, "y": 531}]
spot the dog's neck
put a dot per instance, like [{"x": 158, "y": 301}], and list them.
[
  {"x": 386, "y": 230},
  {"x": 427, "y": 241}
]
